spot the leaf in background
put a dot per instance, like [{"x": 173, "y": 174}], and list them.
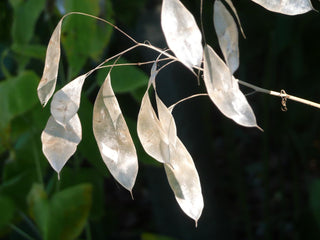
[
  {"x": 65, "y": 103},
  {"x": 229, "y": 2},
  {"x": 7, "y": 209},
  {"x": 30, "y": 51},
  {"x": 128, "y": 12},
  {"x": 15, "y": 3},
  {"x": 288, "y": 7},
  {"x": 69, "y": 212},
  {"x": 113, "y": 137},
  {"x": 17, "y": 96},
  {"x": 38, "y": 204},
  {"x": 227, "y": 33},
  {"x": 60, "y": 143},
  {"x": 138, "y": 94},
  {"x": 48, "y": 81},
  {"x": 83, "y": 37},
  {"x": 64, "y": 215},
  {"x": 184, "y": 181},
  {"x": 150, "y": 131},
  {"x": 124, "y": 78},
  {"x": 25, "y": 17},
  {"x": 181, "y": 32},
  {"x": 17, "y": 184},
  {"x": 72, "y": 176},
  {"x": 19, "y": 171},
  {"x": 224, "y": 90}
]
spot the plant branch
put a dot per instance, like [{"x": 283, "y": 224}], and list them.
[
  {"x": 21, "y": 232},
  {"x": 281, "y": 94},
  {"x": 187, "y": 98},
  {"x": 103, "y": 20},
  {"x": 124, "y": 33},
  {"x": 137, "y": 44},
  {"x": 131, "y": 64}
]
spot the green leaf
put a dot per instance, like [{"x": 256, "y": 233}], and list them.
[
  {"x": 7, "y": 209},
  {"x": 128, "y": 11},
  {"x": 30, "y": 51},
  {"x": 20, "y": 171},
  {"x": 124, "y": 78},
  {"x": 15, "y": 3},
  {"x": 17, "y": 186},
  {"x": 70, "y": 177},
  {"x": 138, "y": 93},
  {"x": 39, "y": 206},
  {"x": 69, "y": 209},
  {"x": 20, "y": 133},
  {"x": 17, "y": 95},
  {"x": 64, "y": 215},
  {"x": 83, "y": 37},
  {"x": 26, "y": 14}
]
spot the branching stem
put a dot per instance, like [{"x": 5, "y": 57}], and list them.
[{"x": 281, "y": 94}]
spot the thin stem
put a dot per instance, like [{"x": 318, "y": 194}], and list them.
[
  {"x": 132, "y": 64},
  {"x": 167, "y": 64},
  {"x": 201, "y": 21},
  {"x": 129, "y": 49},
  {"x": 30, "y": 223},
  {"x": 137, "y": 44},
  {"x": 115, "y": 56},
  {"x": 163, "y": 52},
  {"x": 187, "y": 98},
  {"x": 21, "y": 232},
  {"x": 103, "y": 20},
  {"x": 281, "y": 94},
  {"x": 6, "y": 73}
]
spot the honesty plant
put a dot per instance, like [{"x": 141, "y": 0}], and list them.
[{"x": 156, "y": 129}]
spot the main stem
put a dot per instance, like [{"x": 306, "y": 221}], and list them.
[{"x": 281, "y": 94}]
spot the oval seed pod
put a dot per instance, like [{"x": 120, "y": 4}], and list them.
[
  {"x": 60, "y": 143},
  {"x": 181, "y": 32},
  {"x": 66, "y": 102},
  {"x": 113, "y": 137},
  {"x": 48, "y": 80},
  {"x": 224, "y": 90},
  {"x": 288, "y": 7},
  {"x": 227, "y": 33}
]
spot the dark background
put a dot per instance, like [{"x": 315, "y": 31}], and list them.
[{"x": 256, "y": 185}]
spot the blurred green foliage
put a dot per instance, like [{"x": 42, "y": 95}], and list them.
[{"x": 33, "y": 204}]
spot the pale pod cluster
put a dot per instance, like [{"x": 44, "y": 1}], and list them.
[{"x": 156, "y": 130}]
